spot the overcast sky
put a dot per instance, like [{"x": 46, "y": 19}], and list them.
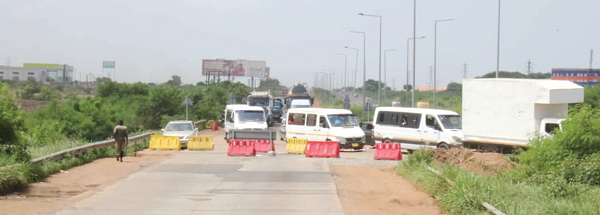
[{"x": 151, "y": 40}]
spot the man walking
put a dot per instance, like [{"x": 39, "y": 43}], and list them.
[{"x": 121, "y": 139}]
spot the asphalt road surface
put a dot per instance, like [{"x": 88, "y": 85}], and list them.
[{"x": 211, "y": 183}]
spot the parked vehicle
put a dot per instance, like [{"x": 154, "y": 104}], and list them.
[
  {"x": 262, "y": 99},
  {"x": 367, "y": 127},
  {"x": 323, "y": 124},
  {"x": 417, "y": 127},
  {"x": 182, "y": 129},
  {"x": 244, "y": 117},
  {"x": 500, "y": 114},
  {"x": 278, "y": 109}
]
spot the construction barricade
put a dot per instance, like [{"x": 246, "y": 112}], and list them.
[
  {"x": 388, "y": 151},
  {"x": 263, "y": 146},
  {"x": 201, "y": 142},
  {"x": 160, "y": 142},
  {"x": 241, "y": 148},
  {"x": 295, "y": 146},
  {"x": 325, "y": 149}
]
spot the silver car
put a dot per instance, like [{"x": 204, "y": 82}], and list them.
[{"x": 182, "y": 129}]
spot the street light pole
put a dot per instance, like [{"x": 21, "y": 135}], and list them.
[
  {"x": 355, "y": 68},
  {"x": 385, "y": 70},
  {"x": 379, "y": 84},
  {"x": 498, "y": 53},
  {"x": 345, "y": 69},
  {"x": 414, "y": 52},
  {"x": 407, "y": 65},
  {"x": 435, "y": 60},
  {"x": 364, "y": 67}
]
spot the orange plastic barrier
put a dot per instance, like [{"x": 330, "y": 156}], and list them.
[
  {"x": 324, "y": 149},
  {"x": 263, "y": 146},
  {"x": 241, "y": 148},
  {"x": 388, "y": 151}
]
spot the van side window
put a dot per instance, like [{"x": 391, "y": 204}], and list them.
[
  {"x": 551, "y": 128},
  {"x": 412, "y": 120},
  {"x": 388, "y": 118},
  {"x": 311, "y": 120},
  {"x": 323, "y": 121},
  {"x": 296, "y": 119},
  {"x": 431, "y": 122},
  {"x": 228, "y": 116}
]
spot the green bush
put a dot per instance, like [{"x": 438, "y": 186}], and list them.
[{"x": 421, "y": 156}]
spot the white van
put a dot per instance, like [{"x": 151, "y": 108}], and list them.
[
  {"x": 244, "y": 117},
  {"x": 417, "y": 127},
  {"x": 324, "y": 124}
]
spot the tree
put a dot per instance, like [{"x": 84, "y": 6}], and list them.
[
  {"x": 175, "y": 81},
  {"x": 407, "y": 87},
  {"x": 505, "y": 74},
  {"x": 372, "y": 85},
  {"x": 454, "y": 86},
  {"x": 11, "y": 119},
  {"x": 31, "y": 89}
]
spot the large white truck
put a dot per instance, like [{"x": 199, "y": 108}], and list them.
[{"x": 501, "y": 114}]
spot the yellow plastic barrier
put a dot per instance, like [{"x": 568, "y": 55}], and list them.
[
  {"x": 201, "y": 142},
  {"x": 210, "y": 124},
  {"x": 296, "y": 146},
  {"x": 159, "y": 142}
]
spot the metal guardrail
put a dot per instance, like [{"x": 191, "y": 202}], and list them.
[
  {"x": 86, "y": 147},
  {"x": 253, "y": 134}
]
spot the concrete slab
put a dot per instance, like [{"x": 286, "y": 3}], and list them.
[{"x": 210, "y": 182}]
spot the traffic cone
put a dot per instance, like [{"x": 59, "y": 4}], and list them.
[{"x": 215, "y": 126}]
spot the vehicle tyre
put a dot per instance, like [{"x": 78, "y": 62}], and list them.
[
  {"x": 443, "y": 146},
  {"x": 386, "y": 141},
  {"x": 491, "y": 149},
  {"x": 410, "y": 151}
]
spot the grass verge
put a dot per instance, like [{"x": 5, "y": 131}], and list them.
[
  {"x": 510, "y": 196},
  {"x": 19, "y": 175}
]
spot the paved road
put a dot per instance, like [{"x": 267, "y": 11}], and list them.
[{"x": 211, "y": 183}]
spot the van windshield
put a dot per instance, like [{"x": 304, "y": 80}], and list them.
[
  {"x": 259, "y": 101},
  {"x": 245, "y": 116},
  {"x": 346, "y": 120},
  {"x": 451, "y": 121}
]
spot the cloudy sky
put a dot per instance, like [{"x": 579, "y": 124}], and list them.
[{"x": 151, "y": 40}]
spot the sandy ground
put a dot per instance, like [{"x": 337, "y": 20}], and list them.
[
  {"x": 66, "y": 188},
  {"x": 379, "y": 191}
]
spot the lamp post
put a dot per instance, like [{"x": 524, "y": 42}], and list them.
[
  {"x": 407, "y": 65},
  {"x": 355, "y": 68},
  {"x": 414, "y": 51},
  {"x": 498, "y": 53},
  {"x": 380, "y": 23},
  {"x": 345, "y": 69},
  {"x": 364, "y": 67},
  {"x": 435, "y": 60},
  {"x": 385, "y": 69}
]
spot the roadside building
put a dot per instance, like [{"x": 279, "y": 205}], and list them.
[
  {"x": 58, "y": 73},
  {"x": 23, "y": 74},
  {"x": 583, "y": 77}
]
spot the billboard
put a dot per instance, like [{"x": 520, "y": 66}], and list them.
[
  {"x": 108, "y": 64},
  {"x": 234, "y": 68}
]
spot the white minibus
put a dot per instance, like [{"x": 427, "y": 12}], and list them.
[
  {"x": 244, "y": 117},
  {"x": 417, "y": 127},
  {"x": 324, "y": 124}
]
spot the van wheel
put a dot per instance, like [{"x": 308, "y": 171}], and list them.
[
  {"x": 410, "y": 151},
  {"x": 387, "y": 141},
  {"x": 443, "y": 146}
]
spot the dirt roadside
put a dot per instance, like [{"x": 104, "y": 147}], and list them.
[
  {"x": 66, "y": 188},
  {"x": 379, "y": 191}
]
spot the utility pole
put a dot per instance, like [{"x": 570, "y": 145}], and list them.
[
  {"x": 465, "y": 71},
  {"x": 591, "y": 58},
  {"x": 529, "y": 67},
  {"x": 8, "y": 61}
]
